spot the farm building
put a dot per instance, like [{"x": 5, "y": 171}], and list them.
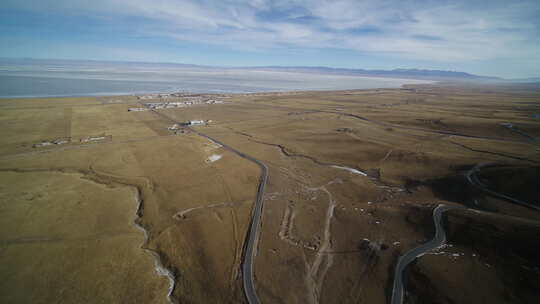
[{"x": 196, "y": 122}]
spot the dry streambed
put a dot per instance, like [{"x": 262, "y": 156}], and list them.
[{"x": 66, "y": 237}]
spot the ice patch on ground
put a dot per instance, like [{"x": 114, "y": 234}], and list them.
[
  {"x": 158, "y": 266},
  {"x": 355, "y": 171},
  {"x": 214, "y": 157}
]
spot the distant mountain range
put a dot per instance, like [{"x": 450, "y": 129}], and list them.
[
  {"x": 423, "y": 74},
  {"x": 395, "y": 73}
]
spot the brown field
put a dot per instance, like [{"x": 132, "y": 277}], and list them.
[{"x": 70, "y": 212}]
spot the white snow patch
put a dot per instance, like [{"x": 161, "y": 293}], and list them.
[
  {"x": 215, "y": 143},
  {"x": 355, "y": 171},
  {"x": 214, "y": 157},
  {"x": 158, "y": 266}
]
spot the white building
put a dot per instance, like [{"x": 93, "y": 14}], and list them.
[{"x": 196, "y": 122}]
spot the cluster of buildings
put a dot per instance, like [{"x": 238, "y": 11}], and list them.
[
  {"x": 176, "y": 104},
  {"x": 178, "y": 128},
  {"x": 177, "y": 100},
  {"x": 163, "y": 95},
  {"x": 180, "y": 95},
  {"x": 66, "y": 140},
  {"x": 58, "y": 141},
  {"x": 196, "y": 122}
]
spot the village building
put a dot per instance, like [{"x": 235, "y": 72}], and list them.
[
  {"x": 94, "y": 138},
  {"x": 196, "y": 122},
  {"x": 60, "y": 141},
  {"x": 42, "y": 144}
]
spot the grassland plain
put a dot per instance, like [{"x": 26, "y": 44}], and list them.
[
  {"x": 329, "y": 233},
  {"x": 172, "y": 175}
]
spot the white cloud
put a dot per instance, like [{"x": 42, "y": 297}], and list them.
[{"x": 436, "y": 30}]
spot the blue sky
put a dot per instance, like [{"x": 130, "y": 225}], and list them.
[{"x": 495, "y": 38}]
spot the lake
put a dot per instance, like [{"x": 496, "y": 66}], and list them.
[{"x": 47, "y": 78}]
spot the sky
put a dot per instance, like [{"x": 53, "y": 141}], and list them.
[{"x": 492, "y": 38}]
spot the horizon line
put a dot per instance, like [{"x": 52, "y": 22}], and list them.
[{"x": 396, "y": 69}]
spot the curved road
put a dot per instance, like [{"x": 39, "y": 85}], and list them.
[
  {"x": 473, "y": 180},
  {"x": 440, "y": 234},
  {"x": 249, "y": 250},
  {"x": 404, "y": 260},
  {"x": 252, "y": 238}
]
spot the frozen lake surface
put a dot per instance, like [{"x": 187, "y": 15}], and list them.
[{"x": 42, "y": 78}]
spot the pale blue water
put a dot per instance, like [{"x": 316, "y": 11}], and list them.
[
  {"x": 45, "y": 78},
  {"x": 27, "y": 86}
]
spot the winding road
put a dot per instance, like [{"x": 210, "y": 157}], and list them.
[
  {"x": 440, "y": 234},
  {"x": 404, "y": 260},
  {"x": 472, "y": 178},
  {"x": 252, "y": 237}
]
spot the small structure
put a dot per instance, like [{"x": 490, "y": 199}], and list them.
[
  {"x": 174, "y": 127},
  {"x": 42, "y": 144},
  {"x": 137, "y": 109},
  {"x": 95, "y": 138},
  {"x": 61, "y": 141},
  {"x": 196, "y": 122},
  {"x": 58, "y": 141}
]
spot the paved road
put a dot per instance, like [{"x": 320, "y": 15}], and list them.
[
  {"x": 440, "y": 234},
  {"x": 473, "y": 180},
  {"x": 411, "y": 255},
  {"x": 252, "y": 239}
]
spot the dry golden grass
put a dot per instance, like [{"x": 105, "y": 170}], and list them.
[
  {"x": 68, "y": 238},
  {"x": 328, "y": 235},
  {"x": 173, "y": 175}
]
